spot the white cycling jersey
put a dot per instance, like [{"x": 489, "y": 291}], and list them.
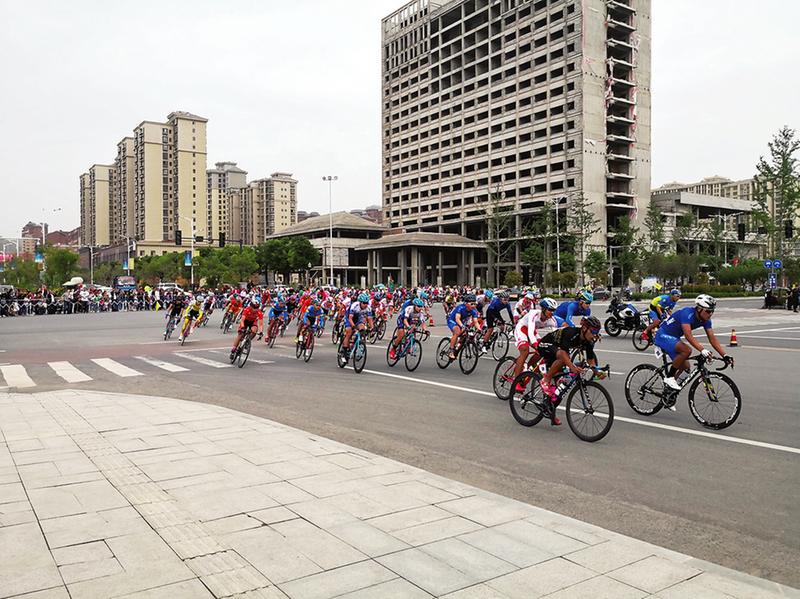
[{"x": 530, "y": 328}]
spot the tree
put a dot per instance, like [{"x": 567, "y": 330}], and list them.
[
  {"x": 777, "y": 190},
  {"x": 512, "y": 279},
  {"x": 533, "y": 257},
  {"x": 22, "y": 273},
  {"x": 584, "y": 223},
  {"x": 104, "y": 273},
  {"x": 597, "y": 266},
  {"x": 273, "y": 255},
  {"x": 300, "y": 253},
  {"x": 624, "y": 239},
  {"x": 61, "y": 265},
  {"x": 241, "y": 263},
  {"x": 499, "y": 220},
  {"x": 655, "y": 228},
  {"x": 686, "y": 230}
]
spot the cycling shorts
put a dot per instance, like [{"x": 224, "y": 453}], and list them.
[
  {"x": 548, "y": 352},
  {"x": 654, "y": 315},
  {"x": 274, "y": 314},
  {"x": 247, "y": 324},
  {"x": 451, "y": 324},
  {"x": 308, "y": 322},
  {"x": 666, "y": 343},
  {"x": 192, "y": 314},
  {"x": 493, "y": 317},
  {"x": 522, "y": 338},
  {"x": 359, "y": 322}
]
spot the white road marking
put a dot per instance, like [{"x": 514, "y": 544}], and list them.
[
  {"x": 151, "y": 342},
  {"x": 68, "y": 372},
  {"x": 17, "y": 376},
  {"x": 204, "y": 361},
  {"x": 647, "y": 352},
  {"x": 161, "y": 364},
  {"x": 228, "y": 347},
  {"x": 759, "y": 347},
  {"x": 250, "y": 359},
  {"x": 769, "y": 337},
  {"x": 759, "y": 331},
  {"x": 686, "y": 431},
  {"x": 115, "y": 367}
]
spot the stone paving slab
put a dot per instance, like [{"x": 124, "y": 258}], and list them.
[{"x": 135, "y": 497}]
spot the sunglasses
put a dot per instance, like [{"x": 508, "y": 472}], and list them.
[{"x": 595, "y": 332}]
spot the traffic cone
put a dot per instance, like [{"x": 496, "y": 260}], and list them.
[{"x": 733, "y": 342}]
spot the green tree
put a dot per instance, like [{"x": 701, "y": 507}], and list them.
[
  {"x": 61, "y": 265},
  {"x": 300, "y": 253},
  {"x": 686, "y": 231},
  {"x": 242, "y": 263},
  {"x": 104, "y": 273},
  {"x": 273, "y": 255},
  {"x": 512, "y": 279},
  {"x": 624, "y": 239},
  {"x": 499, "y": 225},
  {"x": 22, "y": 273},
  {"x": 533, "y": 257},
  {"x": 655, "y": 228},
  {"x": 596, "y": 266},
  {"x": 777, "y": 190},
  {"x": 584, "y": 223}
]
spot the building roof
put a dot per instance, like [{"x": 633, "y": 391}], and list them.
[
  {"x": 341, "y": 220},
  {"x": 450, "y": 240},
  {"x": 180, "y": 114},
  {"x": 707, "y": 201}
]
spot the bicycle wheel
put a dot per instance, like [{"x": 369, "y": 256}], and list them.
[
  {"x": 526, "y": 406},
  {"x": 299, "y": 346},
  {"x": 644, "y": 388},
  {"x": 341, "y": 362},
  {"x": 273, "y": 332},
  {"x": 245, "y": 353},
  {"x": 360, "y": 356},
  {"x": 443, "y": 353},
  {"x": 720, "y": 405},
  {"x": 413, "y": 355},
  {"x": 381, "y": 330},
  {"x": 503, "y": 378},
  {"x": 639, "y": 342},
  {"x": 335, "y": 332},
  {"x": 228, "y": 325},
  {"x": 500, "y": 345},
  {"x": 372, "y": 336},
  {"x": 468, "y": 357},
  {"x": 309, "y": 347},
  {"x": 389, "y": 360},
  {"x": 590, "y": 411}
]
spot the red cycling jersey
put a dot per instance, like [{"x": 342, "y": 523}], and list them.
[{"x": 252, "y": 314}]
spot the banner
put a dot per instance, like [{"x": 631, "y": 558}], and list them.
[
  {"x": 38, "y": 257},
  {"x": 125, "y": 264},
  {"x": 187, "y": 258},
  {"x": 130, "y": 263}
]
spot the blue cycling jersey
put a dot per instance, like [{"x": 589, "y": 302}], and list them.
[
  {"x": 673, "y": 325},
  {"x": 465, "y": 313},
  {"x": 567, "y": 310},
  {"x": 497, "y": 305},
  {"x": 312, "y": 313},
  {"x": 663, "y": 301}
]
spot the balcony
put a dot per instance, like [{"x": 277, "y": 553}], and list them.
[
  {"x": 621, "y": 157},
  {"x": 616, "y": 119},
  {"x": 621, "y": 100},
  {"x": 616, "y": 138},
  {"x": 618, "y": 176},
  {"x": 619, "y": 25}
]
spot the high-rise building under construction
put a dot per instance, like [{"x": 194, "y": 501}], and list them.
[{"x": 522, "y": 105}]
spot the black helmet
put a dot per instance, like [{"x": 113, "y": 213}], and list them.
[
  {"x": 591, "y": 322},
  {"x": 469, "y": 298}
]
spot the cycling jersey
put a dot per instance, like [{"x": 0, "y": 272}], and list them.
[
  {"x": 252, "y": 315},
  {"x": 531, "y": 328},
  {"x": 465, "y": 313},
  {"x": 311, "y": 314},
  {"x": 567, "y": 310},
  {"x": 523, "y": 306},
  {"x": 410, "y": 314},
  {"x": 566, "y": 338},
  {"x": 493, "y": 311},
  {"x": 357, "y": 313},
  {"x": 664, "y": 302},
  {"x": 671, "y": 330}
]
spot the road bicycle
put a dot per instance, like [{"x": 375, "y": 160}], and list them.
[
  {"x": 589, "y": 408},
  {"x": 277, "y": 326},
  {"x": 171, "y": 324},
  {"x": 337, "y": 331},
  {"x": 321, "y": 327},
  {"x": 358, "y": 352},
  {"x": 714, "y": 399},
  {"x": 227, "y": 322},
  {"x": 466, "y": 351},
  {"x": 504, "y": 373},
  {"x": 410, "y": 349},
  {"x": 305, "y": 346},
  {"x": 639, "y": 341},
  {"x": 186, "y": 329},
  {"x": 500, "y": 341},
  {"x": 243, "y": 349}
]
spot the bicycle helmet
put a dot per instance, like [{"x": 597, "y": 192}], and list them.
[
  {"x": 530, "y": 295},
  {"x": 255, "y": 304},
  {"x": 548, "y": 303},
  {"x": 363, "y": 297},
  {"x": 423, "y": 296},
  {"x": 504, "y": 295},
  {"x": 585, "y": 296},
  {"x": 675, "y": 292},
  {"x": 489, "y": 294},
  {"x": 705, "y": 301},
  {"x": 418, "y": 302},
  {"x": 469, "y": 298},
  {"x": 591, "y": 322},
  {"x": 317, "y": 301}
]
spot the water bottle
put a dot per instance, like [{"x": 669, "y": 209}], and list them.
[
  {"x": 563, "y": 384},
  {"x": 543, "y": 369}
]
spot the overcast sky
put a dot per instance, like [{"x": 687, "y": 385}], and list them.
[{"x": 295, "y": 87}]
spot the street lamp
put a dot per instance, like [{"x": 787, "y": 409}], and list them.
[
  {"x": 128, "y": 244},
  {"x": 330, "y": 179},
  {"x": 44, "y": 235},
  {"x": 191, "y": 220},
  {"x": 4, "y": 257}
]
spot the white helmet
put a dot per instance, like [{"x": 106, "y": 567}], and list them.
[{"x": 705, "y": 301}]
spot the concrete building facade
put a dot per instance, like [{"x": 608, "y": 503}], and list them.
[
  {"x": 267, "y": 206},
  {"x": 531, "y": 102},
  {"x": 222, "y": 181},
  {"x": 122, "y": 193},
  {"x": 96, "y": 186}
]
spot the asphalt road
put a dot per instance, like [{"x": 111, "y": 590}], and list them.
[{"x": 728, "y": 497}]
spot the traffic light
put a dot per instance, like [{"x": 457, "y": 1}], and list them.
[
  {"x": 740, "y": 231},
  {"x": 178, "y": 237},
  {"x": 787, "y": 230},
  {"x": 222, "y": 239},
  {"x": 199, "y": 238}
]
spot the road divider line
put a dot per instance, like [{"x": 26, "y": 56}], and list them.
[
  {"x": 17, "y": 376},
  {"x": 667, "y": 427},
  {"x": 249, "y": 359},
  {"x": 115, "y": 367},
  {"x": 161, "y": 364},
  {"x": 748, "y": 346},
  {"x": 760, "y": 331},
  {"x": 68, "y": 372},
  {"x": 204, "y": 361},
  {"x": 183, "y": 350}
]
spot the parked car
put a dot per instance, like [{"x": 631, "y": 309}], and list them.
[
  {"x": 601, "y": 293},
  {"x": 169, "y": 287},
  {"x": 514, "y": 294}
]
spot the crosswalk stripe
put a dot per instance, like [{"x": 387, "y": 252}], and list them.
[
  {"x": 161, "y": 364},
  {"x": 116, "y": 367},
  {"x": 68, "y": 372},
  {"x": 204, "y": 361},
  {"x": 251, "y": 359},
  {"x": 16, "y": 376}
]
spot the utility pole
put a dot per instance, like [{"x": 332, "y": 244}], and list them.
[{"x": 330, "y": 179}]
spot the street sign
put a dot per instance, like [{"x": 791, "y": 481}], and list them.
[
  {"x": 777, "y": 263},
  {"x": 773, "y": 281},
  {"x": 767, "y": 263}
]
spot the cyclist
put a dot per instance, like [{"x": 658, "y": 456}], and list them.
[
  {"x": 525, "y": 305},
  {"x": 309, "y": 318},
  {"x": 661, "y": 306},
  {"x": 459, "y": 319},
  {"x": 233, "y": 306},
  {"x": 530, "y": 329},
  {"x": 176, "y": 307},
  {"x": 252, "y": 321},
  {"x": 578, "y": 307},
  {"x": 193, "y": 309},
  {"x": 493, "y": 315},
  {"x": 355, "y": 318},
  {"x": 449, "y": 301},
  {"x": 681, "y": 324},
  {"x": 555, "y": 348},
  {"x": 408, "y": 318},
  {"x": 278, "y": 310}
]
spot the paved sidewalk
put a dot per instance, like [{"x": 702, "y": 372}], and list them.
[{"x": 111, "y": 495}]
